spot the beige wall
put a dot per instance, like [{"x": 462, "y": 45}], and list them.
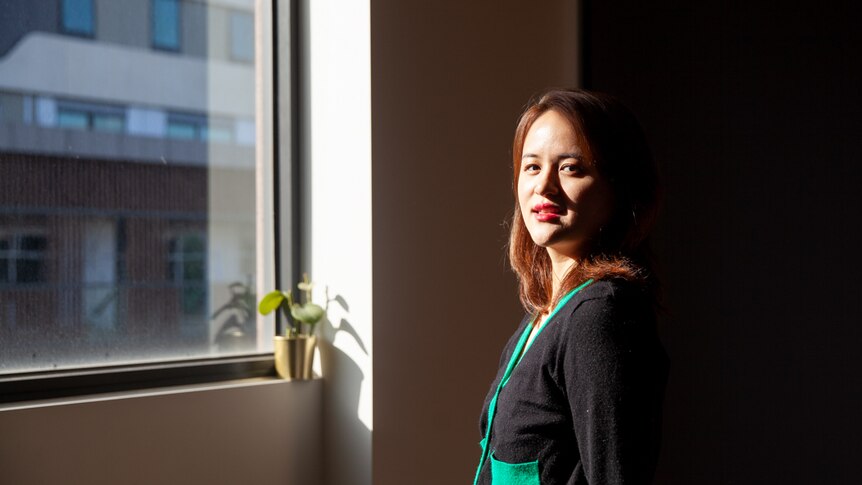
[
  {"x": 448, "y": 82},
  {"x": 265, "y": 431}
]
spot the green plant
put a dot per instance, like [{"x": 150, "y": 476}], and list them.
[{"x": 305, "y": 313}]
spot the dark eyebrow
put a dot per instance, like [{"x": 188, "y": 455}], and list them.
[
  {"x": 562, "y": 156},
  {"x": 576, "y": 156}
]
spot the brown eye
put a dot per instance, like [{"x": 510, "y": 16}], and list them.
[{"x": 571, "y": 168}]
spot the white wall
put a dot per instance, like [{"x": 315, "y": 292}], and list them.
[{"x": 337, "y": 167}]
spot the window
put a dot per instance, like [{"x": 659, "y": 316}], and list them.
[
  {"x": 77, "y": 17},
  {"x": 88, "y": 116},
  {"x": 22, "y": 258},
  {"x": 73, "y": 118},
  {"x": 218, "y": 130},
  {"x": 166, "y": 24},
  {"x": 241, "y": 38},
  {"x": 120, "y": 245},
  {"x": 187, "y": 270},
  {"x": 185, "y": 126}
]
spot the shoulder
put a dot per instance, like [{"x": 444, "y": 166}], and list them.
[
  {"x": 610, "y": 295},
  {"x": 614, "y": 288},
  {"x": 608, "y": 339},
  {"x": 608, "y": 309}
]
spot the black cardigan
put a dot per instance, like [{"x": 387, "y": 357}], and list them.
[{"x": 585, "y": 400}]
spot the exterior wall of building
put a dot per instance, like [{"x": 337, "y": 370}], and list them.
[
  {"x": 19, "y": 17},
  {"x": 125, "y": 23}
]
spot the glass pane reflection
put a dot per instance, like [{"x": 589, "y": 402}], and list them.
[{"x": 127, "y": 183}]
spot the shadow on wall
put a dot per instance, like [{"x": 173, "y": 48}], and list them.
[{"x": 347, "y": 440}]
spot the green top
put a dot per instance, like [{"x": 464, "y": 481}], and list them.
[{"x": 520, "y": 349}]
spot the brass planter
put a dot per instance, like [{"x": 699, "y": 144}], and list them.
[{"x": 294, "y": 357}]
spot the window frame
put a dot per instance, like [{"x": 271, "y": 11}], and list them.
[{"x": 281, "y": 95}]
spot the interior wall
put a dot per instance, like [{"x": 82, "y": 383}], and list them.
[
  {"x": 335, "y": 135},
  {"x": 264, "y": 431},
  {"x": 754, "y": 113},
  {"x": 449, "y": 79}
]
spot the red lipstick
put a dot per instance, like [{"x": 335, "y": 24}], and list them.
[
  {"x": 547, "y": 212},
  {"x": 547, "y": 217}
]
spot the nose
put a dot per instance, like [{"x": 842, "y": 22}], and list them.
[{"x": 547, "y": 183}]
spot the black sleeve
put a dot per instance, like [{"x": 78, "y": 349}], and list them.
[{"x": 614, "y": 375}]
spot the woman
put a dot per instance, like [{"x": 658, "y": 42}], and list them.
[{"x": 577, "y": 399}]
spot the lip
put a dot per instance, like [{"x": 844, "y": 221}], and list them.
[
  {"x": 547, "y": 207},
  {"x": 548, "y": 212},
  {"x": 547, "y": 217}
]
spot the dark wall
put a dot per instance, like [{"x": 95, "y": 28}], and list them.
[{"x": 754, "y": 114}]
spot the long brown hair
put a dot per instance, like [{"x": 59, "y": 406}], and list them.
[{"x": 622, "y": 157}]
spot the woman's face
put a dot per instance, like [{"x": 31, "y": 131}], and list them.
[{"x": 563, "y": 199}]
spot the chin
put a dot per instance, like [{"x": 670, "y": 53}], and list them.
[
  {"x": 545, "y": 242},
  {"x": 560, "y": 243}
]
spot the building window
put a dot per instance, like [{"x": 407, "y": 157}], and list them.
[
  {"x": 242, "y": 36},
  {"x": 186, "y": 126},
  {"x": 166, "y": 24},
  {"x": 218, "y": 130},
  {"x": 187, "y": 258},
  {"x": 77, "y": 17},
  {"x": 70, "y": 117},
  {"x": 88, "y": 116},
  {"x": 182, "y": 126},
  {"x": 22, "y": 258}
]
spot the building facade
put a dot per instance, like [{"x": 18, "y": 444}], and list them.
[{"x": 127, "y": 181}]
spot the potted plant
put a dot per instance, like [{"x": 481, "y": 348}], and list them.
[{"x": 294, "y": 351}]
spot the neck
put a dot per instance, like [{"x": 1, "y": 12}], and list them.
[{"x": 560, "y": 266}]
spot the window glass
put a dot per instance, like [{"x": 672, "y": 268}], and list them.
[
  {"x": 22, "y": 257},
  {"x": 73, "y": 118},
  {"x": 218, "y": 130},
  {"x": 241, "y": 42},
  {"x": 187, "y": 270},
  {"x": 108, "y": 122},
  {"x": 129, "y": 183},
  {"x": 90, "y": 116},
  {"x": 185, "y": 126},
  {"x": 166, "y": 24},
  {"x": 182, "y": 130},
  {"x": 77, "y": 16}
]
